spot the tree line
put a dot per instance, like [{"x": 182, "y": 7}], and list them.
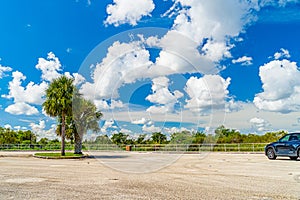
[
  {"x": 222, "y": 135},
  {"x": 8, "y": 136}
]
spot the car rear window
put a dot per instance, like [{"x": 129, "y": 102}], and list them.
[{"x": 294, "y": 137}]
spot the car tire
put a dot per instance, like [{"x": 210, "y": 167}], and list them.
[
  {"x": 293, "y": 157},
  {"x": 271, "y": 154}
]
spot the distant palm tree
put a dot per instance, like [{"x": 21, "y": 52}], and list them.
[
  {"x": 86, "y": 117},
  {"x": 58, "y": 103}
]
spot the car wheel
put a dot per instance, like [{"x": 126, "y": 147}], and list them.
[
  {"x": 293, "y": 157},
  {"x": 271, "y": 154}
]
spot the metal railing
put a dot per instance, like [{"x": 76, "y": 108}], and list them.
[
  {"x": 34, "y": 147},
  {"x": 238, "y": 147}
]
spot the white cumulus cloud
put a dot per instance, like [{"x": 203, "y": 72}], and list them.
[
  {"x": 24, "y": 96},
  {"x": 140, "y": 121},
  {"x": 124, "y": 63},
  {"x": 280, "y": 3},
  {"x": 281, "y": 87},
  {"x": 21, "y": 108},
  {"x": 162, "y": 96},
  {"x": 32, "y": 93},
  {"x": 245, "y": 60},
  {"x": 202, "y": 28},
  {"x": 50, "y": 67},
  {"x": 128, "y": 11},
  {"x": 151, "y": 129},
  {"x": 207, "y": 93},
  {"x": 41, "y": 131},
  {"x": 259, "y": 124},
  {"x": 3, "y": 70},
  {"x": 110, "y": 126},
  {"x": 7, "y": 126},
  {"x": 210, "y": 24},
  {"x": 283, "y": 53},
  {"x": 78, "y": 78}
]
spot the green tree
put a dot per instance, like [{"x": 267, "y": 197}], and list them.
[
  {"x": 225, "y": 135},
  {"x": 272, "y": 136},
  {"x": 199, "y": 137},
  {"x": 102, "y": 139},
  {"x": 85, "y": 117},
  {"x": 8, "y": 136},
  {"x": 58, "y": 103},
  {"x": 26, "y": 137},
  {"x": 252, "y": 138},
  {"x": 44, "y": 141},
  {"x": 184, "y": 137},
  {"x": 158, "y": 138},
  {"x": 119, "y": 138},
  {"x": 141, "y": 139}
]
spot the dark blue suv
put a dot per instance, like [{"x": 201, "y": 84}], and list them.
[{"x": 288, "y": 145}]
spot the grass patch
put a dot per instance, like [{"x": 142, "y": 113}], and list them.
[{"x": 57, "y": 155}]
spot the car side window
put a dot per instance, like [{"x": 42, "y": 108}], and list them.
[
  {"x": 295, "y": 137},
  {"x": 285, "y": 138}
]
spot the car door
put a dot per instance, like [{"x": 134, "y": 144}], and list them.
[
  {"x": 282, "y": 146},
  {"x": 292, "y": 144}
]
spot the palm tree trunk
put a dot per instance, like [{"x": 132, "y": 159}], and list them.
[
  {"x": 63, "y": 134},
  {"x": 78, "y": 143}
]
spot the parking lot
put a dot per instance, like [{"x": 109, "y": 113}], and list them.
[{"x": 133, "y": 175}]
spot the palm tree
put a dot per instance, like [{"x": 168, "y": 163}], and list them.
[
  {"x": 86, "y": 117},
  {"x": 58, "y": 102}
]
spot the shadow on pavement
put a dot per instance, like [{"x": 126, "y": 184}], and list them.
[{"x": 108, "y": 157}]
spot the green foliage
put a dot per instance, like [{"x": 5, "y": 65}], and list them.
[
  {"x": 27, "y": 140},
  {"x": 85, "y": 114},
  {"x": 58, "y": 103},
  {"x": 27, "y": 136},
  {"x": 183, "y": 137},
  {"x": 273, "y": 136},
  {"x": 158, "y": 138},
  {"x": 103, "y": 139},
  {"x": 59, "y": 96},
  {"x": 69, "y": 127},
  {"x": 222, "y": 135},
  {"x": 85, "y": 117},
  {"x": 198, "y": 137},
  {"x": 44, "y": 141},
  {"x": 8, "y": 136},
  {"x": 119, "y": 138},
  {"x": 141, "y": 139},
  {"x": 225, "y": 135}
]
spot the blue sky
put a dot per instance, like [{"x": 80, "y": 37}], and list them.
[{"x": 155, "y": 65}]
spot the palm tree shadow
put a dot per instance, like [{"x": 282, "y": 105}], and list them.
[{"x": 108, "y": 157}]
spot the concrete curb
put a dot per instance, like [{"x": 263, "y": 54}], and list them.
[
  {"x": 62, "y": 157},
  {"x": 16, "y": 156}
]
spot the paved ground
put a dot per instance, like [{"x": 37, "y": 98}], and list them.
[{"x": 157, "y": 176}]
